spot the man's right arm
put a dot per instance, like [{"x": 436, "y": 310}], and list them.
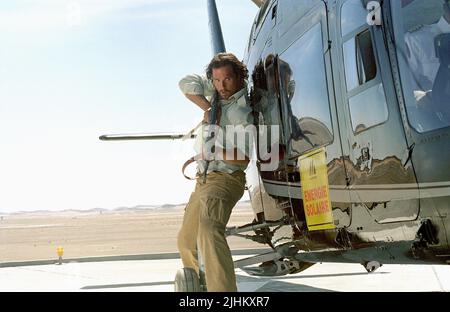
[
  {"x": 200, "y": 101},
  {"x": 196, "y": 88}
]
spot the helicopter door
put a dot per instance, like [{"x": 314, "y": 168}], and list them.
[
  {"x": 307, "y": 98},
  {"x": 381, "y": 179}
]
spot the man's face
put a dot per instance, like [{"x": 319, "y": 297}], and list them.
[{"x": 226, "y": 82}]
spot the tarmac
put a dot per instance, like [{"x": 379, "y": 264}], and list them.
[{"x": 157, "y": 275}]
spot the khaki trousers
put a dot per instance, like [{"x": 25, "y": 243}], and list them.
[{"x": 205, "y": 218}]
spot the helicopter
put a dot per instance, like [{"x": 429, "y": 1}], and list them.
[{"x": 362, "y": 140}]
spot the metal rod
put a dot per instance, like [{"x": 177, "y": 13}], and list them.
[
  {"x": 132, "y": 137},
  {"x": 252, "y": 227}
]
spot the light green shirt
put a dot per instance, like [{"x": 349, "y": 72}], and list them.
[{"x": 235, "y": 111}]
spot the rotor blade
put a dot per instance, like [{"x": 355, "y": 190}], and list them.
[
  {"x": 145, "y": 136},
  {"x": 259, "y": 3},
  {"x": 217, "y": 43}
]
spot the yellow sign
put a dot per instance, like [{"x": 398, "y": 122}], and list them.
[
  {"x": 60, "y": 251},
  {"x": 315, "y": 190}
]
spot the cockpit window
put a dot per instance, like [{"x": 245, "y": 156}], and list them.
[{"x": 422, "y": 31}]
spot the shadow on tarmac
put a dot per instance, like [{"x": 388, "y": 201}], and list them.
[{"x": 127, "y": 285}]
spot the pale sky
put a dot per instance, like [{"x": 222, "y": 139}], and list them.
[{"x": 72, "y": 70}]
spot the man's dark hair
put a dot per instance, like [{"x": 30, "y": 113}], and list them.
[{"x": 225, "y": 59}]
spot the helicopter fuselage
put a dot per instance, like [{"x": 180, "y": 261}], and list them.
[{"x": 337, "y": 85}]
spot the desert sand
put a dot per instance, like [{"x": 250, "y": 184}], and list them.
[{"x": 36, "y": 235}]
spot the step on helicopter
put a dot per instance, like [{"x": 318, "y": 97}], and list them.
[{"x": 360, "y": 93}]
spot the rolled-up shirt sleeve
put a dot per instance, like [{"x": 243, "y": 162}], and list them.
[{"x": 196, "y": 85}]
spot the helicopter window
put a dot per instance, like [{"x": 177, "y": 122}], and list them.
[
  {"x": 423, "y": 29},
  {"x": 353, "y": 16},
  {"x": 304, "y": 93},
  {"x": 291, "y": 12},
  {"x": 366, "y": 94},
  {"x": 371, "y": 100},
  {"x": 351, "y": 77},
  {"x": 266, "y": 104},
  {"x": 367, "y": 67},
  {"x": 359, "y": 59}
]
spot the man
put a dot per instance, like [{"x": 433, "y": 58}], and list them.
[
  {"x": 421, "y": 50},
  {"x": 213, "y": 199}
]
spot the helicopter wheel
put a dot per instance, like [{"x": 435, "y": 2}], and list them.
[
  {"x": 299, "y": 266},
  {"x": 371, "y": 266},
  {"x": 186, "y": 280}
]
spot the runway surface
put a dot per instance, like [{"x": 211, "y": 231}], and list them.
[{"x": 158, "y": 275}]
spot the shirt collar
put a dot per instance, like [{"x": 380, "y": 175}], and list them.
[
  {"x": 443, "y": 25},
  {"x": 235, "y": 96}
]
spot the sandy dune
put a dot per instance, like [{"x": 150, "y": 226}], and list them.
[{"x": 35, "y": 236}]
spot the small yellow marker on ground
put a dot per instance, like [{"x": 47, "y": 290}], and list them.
[{"x": 60, "y": 252}]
